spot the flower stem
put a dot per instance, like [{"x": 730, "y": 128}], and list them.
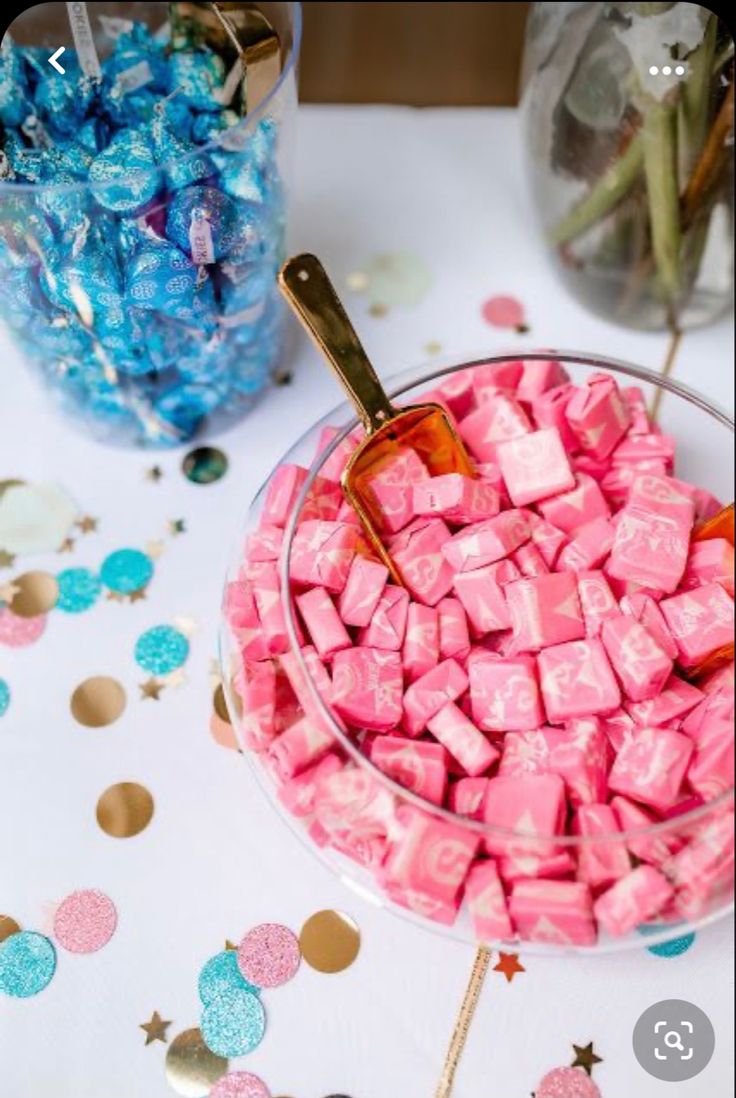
[
  {"x": 610, "y": 188},
  {"x": 659, "y": 135}
]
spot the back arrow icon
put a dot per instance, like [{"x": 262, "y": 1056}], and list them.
[{"x": 53, "y": 60}]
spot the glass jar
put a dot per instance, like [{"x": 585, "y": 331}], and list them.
[
  {"x": 368, "y": 812},
  {"x": 628, "y": 116},
  {"x": 143, "y": 211}
]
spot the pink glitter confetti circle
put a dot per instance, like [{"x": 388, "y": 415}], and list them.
[
  {"x": 85, "y": 921},
  {"x": 269, "y": 955},
  {"x": 503, "y": 312},
  {"x": 240, "y": 1084},
  {"x": 17, "y": 632},
  {"x": 567, "y": 1082}
]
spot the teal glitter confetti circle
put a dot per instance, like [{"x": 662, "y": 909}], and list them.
[
  {"x": 161, "y": 649},
  {"x": 233, "y": 1024},
  {"x": 126, "y": 570},
  {"x": 78, "y": 590},
  {"x": 675, "y": 947},
  {"x": 221, "y": 974},
  {"x": 27, "y": 964},
  {"x": 4, "y": 697}
]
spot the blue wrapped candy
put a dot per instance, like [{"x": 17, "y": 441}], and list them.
[
  {"x": 125, "y": 177},
  {"x": 138, "y": 256}
]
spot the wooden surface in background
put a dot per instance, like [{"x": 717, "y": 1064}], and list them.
[{"x": 423, "y": 54}]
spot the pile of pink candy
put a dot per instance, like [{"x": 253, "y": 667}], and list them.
[{"x": 534, "y": 673}]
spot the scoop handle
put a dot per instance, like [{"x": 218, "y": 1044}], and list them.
[{"x": 304, "y": 283}]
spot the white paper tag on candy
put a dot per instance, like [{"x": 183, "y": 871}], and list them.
[
  {"x": 137, "y": 76},
  {"x": 84, "y": 42},
  {"x": 200, "y": 241}
]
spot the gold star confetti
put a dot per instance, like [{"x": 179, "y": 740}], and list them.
[
  {"x": 87, "y": 524},
  {"x": 433, "y": 347},
  {"x": 377, "y": 309},
  {"x": 154, "y": 549},
  {"x": 8, "y": 592},
  {"x": 66, "y": 546},
  {"x": 508, "y": 964},
  {"x": 187, "y": 626},
  {"x": 115, "y": 596},
  {"x": 151, "y": 688},
  {"x": 230, "y": 945},
  {"x": 585, "y": 1057},
  {"x": 177, "y": 526},
  {"x": 7, "y": 560},
  {"x": 137, "y": 596},
  {"x": 155, "y": 1030},
  {"x": 282, "y": 376},
  {"x": 154, "y": 474}
]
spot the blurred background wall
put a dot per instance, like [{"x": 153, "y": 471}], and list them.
[{"x": 423, "y": 54}]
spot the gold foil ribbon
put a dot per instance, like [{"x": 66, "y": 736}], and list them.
[{"x": 464, "y": 1021}]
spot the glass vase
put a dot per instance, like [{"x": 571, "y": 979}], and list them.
[
  {"x": 628, "y": 115},
  {"x": 143, "y": 210}
]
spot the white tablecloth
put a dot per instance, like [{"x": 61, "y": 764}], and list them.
[{"x": 448, "y": 186}]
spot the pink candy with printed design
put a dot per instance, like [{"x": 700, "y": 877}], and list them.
[
  {"x": 453, "y": 627},
  {"x": 456, "y": 498},
  {"x": 544, "y": 611},
  {"x": 466, "y": 743},
  {"x": 282, "y": 493},
  {"x": 632, "y": 900},
  {"x": 548, "y": 410},
  {"x": 701, "y": 621},
  {"x": 481, "y": 594},
  {"x": 710, "y": 561},
  {"x": 577, "y": 680},
  {"x": 363, "y": 588},
  {"x": 425, "y": 697},
  {"x": 540, "y": 376},
  {"x": 577, "y": 754},
  {"x": 418, "y": 554},
  {"x": 596, "y": 601},
  {"x": 467, "y": 797},
  {"x": 535, "y": 466},
  {"x": 433, "y": 856},
  {"x": 532, "y": 805},
  {"x": 597, "y": 415},
  {"x": 675, "y": 699},
  {"x": 299, "y": 746},
  {"x": 487, "y": 902},
  {"x": 498, "y": 419},
  {"x": 390, "y": 484},
  {"x": 367, "y": 687},
  {"x": 640, "y": 665},
  {"x": 322, "y": 553},
  {"x": 387, "y": 627},
  {"x": 421, "y": 650},
  {"x": 267, "y": 595},
  {"x": 504, "y": 692},
  {"x": 323, "y": 622},
  {"x": 554, "y": 912},
  {"x": 486, "y": 542},
  {"x": 644, "y": 609},
  {"x": 653, "y": 533},
  {"x": 651, "y": 765},
  {"x": 588, "y": 547},
  {"x": 419, "y": 766},
  {"x": 599, "y": 863}
]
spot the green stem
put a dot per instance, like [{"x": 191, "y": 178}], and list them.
[
  {"x": 608, "y": 191},
  {"x": 695, "y": 98},
  {"x": 659, "y": 135}
]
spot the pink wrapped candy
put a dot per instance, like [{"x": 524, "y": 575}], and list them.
[
  {"x": 504, "y": 692},
  {"x": 535, "y": 466},
  {"x": 544, "y": 611},
  {"x": 367, "y": 687},
  {"x": 363, "y": 588},
  {"x": 456, "y": 498},
  {"x": 633, "y": 900},
  {"x": 555, "y": 912},
  {"x": 487, "y": 903},
  {"x": 577, "y": 680}
]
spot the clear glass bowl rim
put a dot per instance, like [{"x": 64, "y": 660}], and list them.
[
  {"x": 8, "y": 189},
  {"x": 616, "y": 366}
]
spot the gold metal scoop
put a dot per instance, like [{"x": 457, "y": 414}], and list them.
[{"x": 425, "y": 428}]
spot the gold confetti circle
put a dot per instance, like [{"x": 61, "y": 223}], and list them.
[
  {"x": 37, "y": 593},
  {"x": 124, "y": 810},
  {"x": 330, "y": 941},
  {"x": 191, "y": 1069},
  {"x": 220, "y": 705},
  {"x": 8, "y": 926},
  {"x": 97, "y": 701}
]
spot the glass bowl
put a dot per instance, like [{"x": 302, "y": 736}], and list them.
[
  {"x": 138, "y": 251},
  {"x": 368, "y": 810}
]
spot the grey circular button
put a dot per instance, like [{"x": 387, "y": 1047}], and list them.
[{"x": 674, "y": 1040}]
